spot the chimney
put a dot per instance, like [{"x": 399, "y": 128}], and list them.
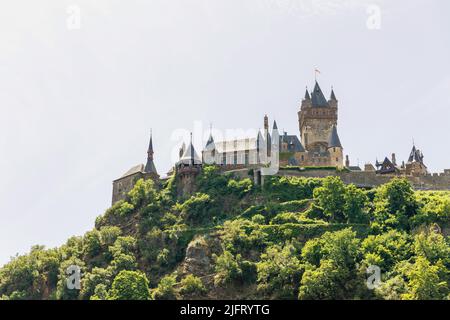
[
  {"x": 266, "y": 123},
  {"x": 394, "y": 159},
  {"x": 347, "y": 161}
]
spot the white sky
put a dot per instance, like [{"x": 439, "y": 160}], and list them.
[{"x": 77, "y": 105}]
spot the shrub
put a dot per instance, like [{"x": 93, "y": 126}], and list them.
[
  {"x": 279, "y": 271},
  {"x": 166, "y": 288},
  {"x": 129, "y": 285},
  {"x": 192, "y": 285}
]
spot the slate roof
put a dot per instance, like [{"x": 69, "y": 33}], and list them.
[
  {"x": 190, "y": 156},
  {"x": 293, "y": 142},
  {"x": 150, "y": 166},
  {"x": 415, "y": 156},
  {"x": 317, "y": 97},
  {"x": 333, "y": 140},
  {"x": 333, "y": 96},
  {"x": 136, "y": 169},
  {"x": 307, "y": 96}
]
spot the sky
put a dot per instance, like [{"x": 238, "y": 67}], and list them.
[{"x": 83, "y": 82}]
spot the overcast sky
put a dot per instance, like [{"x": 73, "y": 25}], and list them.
[{"x": 77, "y": 104}]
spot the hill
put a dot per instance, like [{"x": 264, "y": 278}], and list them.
[{"x": 295, "y": 238}]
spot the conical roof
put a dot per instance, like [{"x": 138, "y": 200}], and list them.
[
  {"x": 333, "y": 140},
  {"x": 333, "y": 96},
  {"x": 190, "y": 156},
  {"x": 318, "y": 99},
  {"x": 150, "y": 166},
  {"x": 307, "y": 96}
]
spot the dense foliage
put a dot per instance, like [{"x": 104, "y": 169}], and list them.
[{"x": 295, "y": 238}]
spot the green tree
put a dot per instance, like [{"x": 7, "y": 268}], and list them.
[
  {"x": 192, "y": 285},
  {"x": 355, "y": 205},
  {"x": 395, "y": 204},
  {"x": 279, "y": 271},
  {"x": 425, "y": 282},
  {"x": 129, "y": 285},
  {"x": 331, "y": 198},
  {"x": 390, "y": 248},
  {"x": 166, "y": 288}
]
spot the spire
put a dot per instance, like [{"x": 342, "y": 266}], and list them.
[
  {"x": 333, "y": 140},
  {"x": 150, "y": 146},
  {"x": 190, "y": 156},
  {"x": 266, "y": 123},
  {"x": 332, "y": 96},
  {"x": 150, "y": 166},
  {"x": 275, "y": 127},
  {"x": 318, "y": 99},
  {"x": 307, "y": 96},
  {"x": 210, "y": 139}
]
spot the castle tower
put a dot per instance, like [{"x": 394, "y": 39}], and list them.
[
  {"x": 415, "y": 164},
  {"x": 316, "y": 117},
  {"x": 335, "y": 148},
  {"x": 126, "y": 182},
  {"x": 187, "y": 169}
]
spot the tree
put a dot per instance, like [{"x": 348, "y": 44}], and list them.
[
  {"x": 331, "y": 267},
  {"x": 433, "y": 247},
  {"x": 425, "y": 282},
  {"x": 279, "y": 271},
  {"x": 322, "y": 283},
  {"x": 228, "y": 269},
  {"x": 390, "y": 248},
  {"x": 165, "y": 289},
  {"x": 129, "y": 285},
  {"x": 192, "y": 285},
  {"x": 395, "y": 204},
  {"x": 355, "y": 205},
  {"x": 331, "y": 198},
  {"x": 91, "y": 280}
]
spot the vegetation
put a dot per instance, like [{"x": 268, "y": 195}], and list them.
[{"x": 295, "y": 238}]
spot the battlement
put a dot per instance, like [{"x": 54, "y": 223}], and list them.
[{"x": 370, "y": 179}]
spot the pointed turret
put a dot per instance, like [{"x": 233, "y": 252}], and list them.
[
  {"x": 190, "y": 156},
  {"x": 150, "y": 166},
  {"x": 266, "y": 123},
  {"x": 333, "y": 140},
  {"x": 318, "y": 99},
  {"x": 275, "y": 127},
  {"x": 333, "y": 96},
  {"x": 307, "y": 96}
]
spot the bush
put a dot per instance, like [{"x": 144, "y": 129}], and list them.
[
  {"x": 165, "y": 289},
  {"x": 233, "y": 269},
  {"x": 195, "y": 210},
  {"x": 240, "y": 188},
  {"x": 279, "y": 272},
  {"x": 129, "y": 285},
  {"x": 192, "y": 285}
]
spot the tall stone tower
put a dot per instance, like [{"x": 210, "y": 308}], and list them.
[{"x": 316, "y": 118}]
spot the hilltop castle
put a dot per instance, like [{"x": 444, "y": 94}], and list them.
[{"x": 319, "y": 146}]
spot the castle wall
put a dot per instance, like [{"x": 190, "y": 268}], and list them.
[
  {"x": 124, "y": 185},
  {"x": 371, "y": 179}
]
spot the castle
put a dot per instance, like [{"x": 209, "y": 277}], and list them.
[{"x": 319, "y": 147}]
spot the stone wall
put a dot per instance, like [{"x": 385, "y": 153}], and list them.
[{"x": 371, "y": 179}]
